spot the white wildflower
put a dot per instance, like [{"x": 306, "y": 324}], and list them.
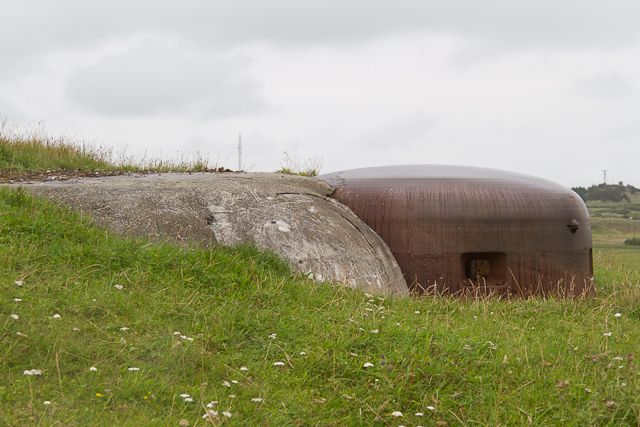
[
  {"x": 419, "y": 414},
  {"x": 607, "y": 334},
  {"x": 176, "y": 333},
  {"x": 93, "y": 369},
  {"x": 212, "y": 404},
  {"x": 32, "y": 372},
  {"x": 257, "y": 399},
  {"x": 189, "y": 339},
  {"x": 234, "y": 381},
  {"x": 431, "y": 408},
  {"x": 273, "y": 336},
  {"x": 396, "y": 414},
  {"x": 278, "y": 363},
  {"x": 56, "y": 316},
  {"x": 46, "y": 402},
  {"x": 185, "y": 395},
  {"x": 244, "y": 368},
  {"x": 20, "y": 334},
  {"x": 19, "y": 282},
  {"x": 375, "y": 331},
  {"x": 15, "y": 316},
  {"x": 17, "y": 299},
  {"x": 124, "y": 328},
  {"x": 118, "y": 287},
  {"x": 587, "y": 389},
  {"x": 227, "y": 414},
  {"x": 133, "y": 369},
  {"x": 210, "y": 414},
  {"x": 303, "y": 353},
  {"x": 232, "y": 396},
  {"x": 226, "y": 383},
  {"x": 367, "y": 365},
  {"x": 618, "y": 358},
  {"x": 617, "y": 315},
  {"x": 416, "y": 312},
  {"x": 188, "y": 399}
]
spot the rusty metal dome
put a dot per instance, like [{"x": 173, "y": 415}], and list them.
[{"x": 461, "y": 229}]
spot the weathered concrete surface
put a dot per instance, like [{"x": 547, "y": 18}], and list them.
[{"x": 288, "y": 214}]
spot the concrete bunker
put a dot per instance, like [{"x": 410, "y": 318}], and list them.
[
  {"x": 456, "y": 229},
  {"x": 290, "y": 215}
]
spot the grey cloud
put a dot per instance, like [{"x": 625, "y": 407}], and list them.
[
  {"x": 33, "y": 26},
  {"x": 154, "y": 78},
  {"x": 404, "y": 132},
  {"x": 9, "y": 113},
  {"x": 607, "y": 85},
  {"x": 624, "y": 133}
]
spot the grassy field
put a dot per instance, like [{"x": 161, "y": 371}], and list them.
[
  {"x": 613, "y": 223},
  {"x": 129, "y": 332}
]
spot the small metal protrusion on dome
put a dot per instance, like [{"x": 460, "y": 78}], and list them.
[{"x": 573, "y": 225}]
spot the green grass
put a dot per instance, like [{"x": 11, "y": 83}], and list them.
[
  {"x": 615, "y": 210},
  {"x": 20, "y": 155},
  {"x": 303, "y": 172},
  {"x": 294, "y": 166},
  {"x": 476, "y": 362},
  {"x": 463, "y": 362},
  {"x": 613, "y": 223},
  {"x": 34, "y": 153}
]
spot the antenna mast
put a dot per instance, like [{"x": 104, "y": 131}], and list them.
[
  {"x": 604, "y": 173},
  {"x": 239, "y": 152}
]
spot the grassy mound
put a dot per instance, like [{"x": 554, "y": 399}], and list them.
[
  {"x": 103, "y": 330},
  {"x": 191, "y": 321}
]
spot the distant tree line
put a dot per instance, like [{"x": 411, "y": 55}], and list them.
[{"x": 606, "y": 192}]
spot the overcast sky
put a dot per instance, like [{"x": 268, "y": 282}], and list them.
[{"x": 548, "y": 88}]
